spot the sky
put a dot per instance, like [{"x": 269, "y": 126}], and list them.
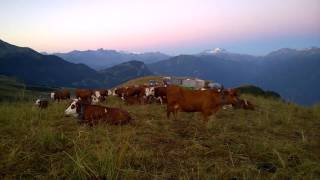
[{"x": 170, "y": 26}]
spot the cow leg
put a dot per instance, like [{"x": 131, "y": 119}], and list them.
[
  {"x": 168, "y": 112},
  {"x": 216, "y": 109},
  {"x": 161, "y": 102},
  {"x": 175, "y": 111},
  {"x": 205, "y": 115}
]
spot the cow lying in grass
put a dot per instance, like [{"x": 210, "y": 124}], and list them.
[
  {"x": 245, "y": 104},
  {"x": 93, "y": 114}
]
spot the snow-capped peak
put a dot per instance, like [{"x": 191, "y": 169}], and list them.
[{"x": 215, "y": 51}]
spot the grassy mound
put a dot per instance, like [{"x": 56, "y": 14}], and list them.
[{"x": 45, "y": 144}]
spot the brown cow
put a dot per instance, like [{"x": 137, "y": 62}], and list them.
[
  {"x": 92, "y": 114},
  {"x": 138, "y": 91},
  {"x": 206, "y": 101},
  {"x": 84, "y": 94},
  {"x": 60, "y": 95}
]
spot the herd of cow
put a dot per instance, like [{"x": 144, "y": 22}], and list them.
[{"x": 206, "y": 101}]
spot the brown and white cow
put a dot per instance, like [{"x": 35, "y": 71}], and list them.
[
  {"x": 207, "y": 101},
  {"x": 120, "y": 92},
  {"x": 245, "y": 104},
  {"x": 93, "y": 114},
  {"x": 160, "y": 93},
  {"x": 142, "y": 93},
  {"x": 60, "y": 95},
  {"x": 90, "y": 96},
  {"x": 42, "y": 103},
  {"x": 102, "y": 94}
]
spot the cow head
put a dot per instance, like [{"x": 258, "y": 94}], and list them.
[
  {"x": 97, "y": 94},
  {"x": 94, "y": 99},
  {"x": 72, "y": 109},
  {"x": 109, "y": 92},
  {"x": 37, "y": 103},
  {"x": 149, "y": 91},
  {"x": 114, "y": 92},
  {"x": 52, "y": 95},
  {"x": 230, "y": 97}
]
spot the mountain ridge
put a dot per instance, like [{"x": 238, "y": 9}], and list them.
[
  {"x": 292, "y": 73},
  {"x": 34, "y": 68},
  {"x": 104, "y": 58}
]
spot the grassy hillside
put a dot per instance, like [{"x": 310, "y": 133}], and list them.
[
  {"x": 13, "y": 90},
  {"x": 45, "y": 144},
  {"x": 141, "y": 80}
]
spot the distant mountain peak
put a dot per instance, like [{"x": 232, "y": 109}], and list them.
[
  {"x": 215, "y": 51},
  {"x": 286, "y": 51}
]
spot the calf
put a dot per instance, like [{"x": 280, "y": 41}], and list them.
[
  {"x": 93, "y": 114},
  {"x": 42, "y": 103}
]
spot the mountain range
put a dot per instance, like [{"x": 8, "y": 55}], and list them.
[
  {"x": 294, "y": 74},
  {"x": 102, "y": 58},
  {"x": 34, "y": 68}
]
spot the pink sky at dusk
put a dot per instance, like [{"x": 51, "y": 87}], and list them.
[{"x": 170, "y": 26}]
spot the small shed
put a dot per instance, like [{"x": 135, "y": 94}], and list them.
[
  {"x": 193, "y": 83},
  {"x": 177, "y": 80}
]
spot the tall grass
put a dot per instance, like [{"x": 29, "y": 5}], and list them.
[{"x": 44, "y": 144}]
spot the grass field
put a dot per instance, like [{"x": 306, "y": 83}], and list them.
[{"x": 44, "y": 144}]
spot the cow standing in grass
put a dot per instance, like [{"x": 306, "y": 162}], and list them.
[
  {"x": 90, "y": 96},
  {"x": 207, "y": 101},
  {"x": 60, "y": 95},
  {"x": 140, "y": 93},
  {"x": 160, "y": 93}
]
